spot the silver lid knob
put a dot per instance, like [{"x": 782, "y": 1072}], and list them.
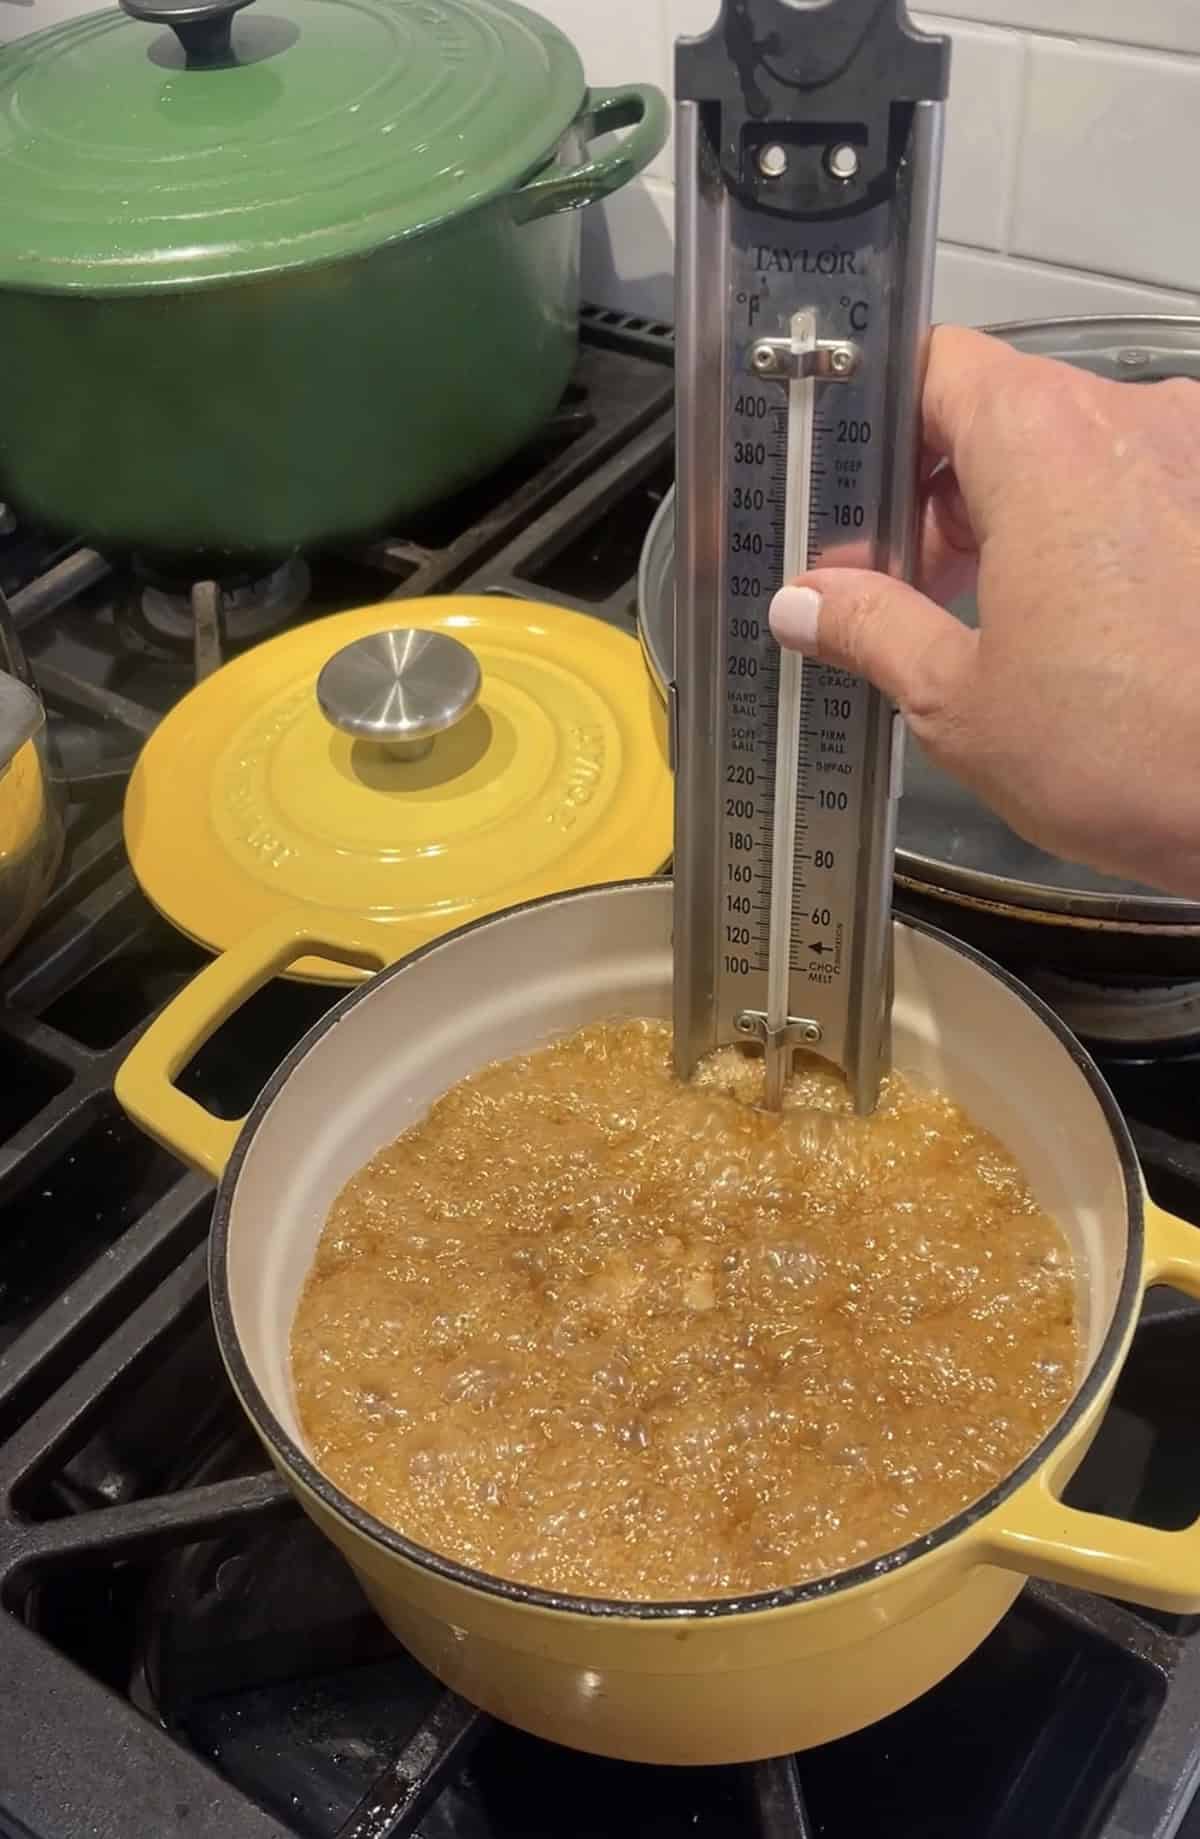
[{"x": 400, "y": 688}]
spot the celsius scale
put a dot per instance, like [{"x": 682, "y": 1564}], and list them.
[{"x": 808, "y": 145}]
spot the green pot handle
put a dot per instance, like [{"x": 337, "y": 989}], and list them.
[{"x": 635, "y": 105}]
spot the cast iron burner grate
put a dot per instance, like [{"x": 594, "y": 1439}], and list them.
[
  {"x": 205, "y": 622},
  {"x": 180, "y": 1654}
]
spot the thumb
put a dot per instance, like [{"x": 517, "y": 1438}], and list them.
[{"x": 907, "y": 646}]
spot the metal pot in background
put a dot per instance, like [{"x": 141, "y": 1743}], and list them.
[
  {"x": 31, "y": 810},
  {"x": 957, "y": 864},
  {"x": 704, "y": 1682},
  {"x": 289, "y": 275}
]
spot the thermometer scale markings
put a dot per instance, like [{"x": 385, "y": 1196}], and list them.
[
  {"x": 827, "y": 781},
  {"x": 802, "y": 924}
]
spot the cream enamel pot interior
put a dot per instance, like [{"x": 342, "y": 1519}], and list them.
[{"x": 679, "y": 1683}]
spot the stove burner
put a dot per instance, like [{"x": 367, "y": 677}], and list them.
[
  {"x": 203, "y": 621},
  {"x": 1134, "y": 1013}
]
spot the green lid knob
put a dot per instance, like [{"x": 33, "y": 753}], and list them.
[{"x": 203, "y": 27}]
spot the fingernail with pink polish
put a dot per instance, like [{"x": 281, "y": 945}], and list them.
[{"x": 794, "y": 614}]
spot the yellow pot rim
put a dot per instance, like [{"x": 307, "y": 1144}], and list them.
[{"x": 357, "y": 1520}]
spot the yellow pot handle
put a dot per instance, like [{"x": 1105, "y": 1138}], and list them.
[
  {"x": 144, "y": 1084},
  {"x": 1034, "y": 1533}
]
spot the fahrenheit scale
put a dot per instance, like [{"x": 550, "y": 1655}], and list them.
[{"x": 808, "y": 159}]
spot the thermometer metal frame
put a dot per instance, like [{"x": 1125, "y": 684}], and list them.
[{"x": 808, "y": 150}]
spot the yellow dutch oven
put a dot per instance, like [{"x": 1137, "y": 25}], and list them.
[{"x": 675, "y": 1682}]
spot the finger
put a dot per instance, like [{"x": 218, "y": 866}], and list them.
[
  {"x": 1010, "y": 424},
  {"x": 914, "y": 651},
  {"x": 949, "y": 557},
  {"x": 967, "y": 375},
  {"x": 963, "y": 368},
  {"x": 948, "y": 561}
]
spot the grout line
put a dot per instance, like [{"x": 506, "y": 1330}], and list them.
[
  {"x": 1070, "y": 32},
  {"x": 1017, "y": 166},
  {"x": 1061, "y": 271},
  {"x": 1115, "y": 47}
]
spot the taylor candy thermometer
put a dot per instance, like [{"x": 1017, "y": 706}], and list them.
[{"x": 808, "y": 158}]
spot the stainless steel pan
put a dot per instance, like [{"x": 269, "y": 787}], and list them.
[{"x": 956, "y": 863}]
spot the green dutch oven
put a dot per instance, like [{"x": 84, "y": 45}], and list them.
[{"x": 275, "y": 274}]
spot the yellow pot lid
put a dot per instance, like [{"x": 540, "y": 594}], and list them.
[{"x": 247, "y": 803}]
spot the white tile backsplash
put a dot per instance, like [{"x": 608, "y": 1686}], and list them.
[
  {"x": 974, "y": 288},
  {"x": 688, "y": 18},
  {"x": 1110, "y": 156},
  {"x": 1168, "y": 25},
  {"x": 629, "y": 250},
  {"x": 982, "y": 120},
  {"x": 17, "y": 17}
]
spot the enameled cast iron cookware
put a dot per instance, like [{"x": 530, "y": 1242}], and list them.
[
  {"x": 274, "y": 274},
  {"x": 666, "y": 1682},
  {"x": 32, "y": 824}
]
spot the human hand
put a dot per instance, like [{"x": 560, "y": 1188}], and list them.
[{"x": 1073, "y": 503}]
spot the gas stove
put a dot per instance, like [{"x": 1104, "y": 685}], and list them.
[{"x": 180, "y": 1654}]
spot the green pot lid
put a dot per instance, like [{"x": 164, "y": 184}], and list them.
[{"x": 329, "y": 128}]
